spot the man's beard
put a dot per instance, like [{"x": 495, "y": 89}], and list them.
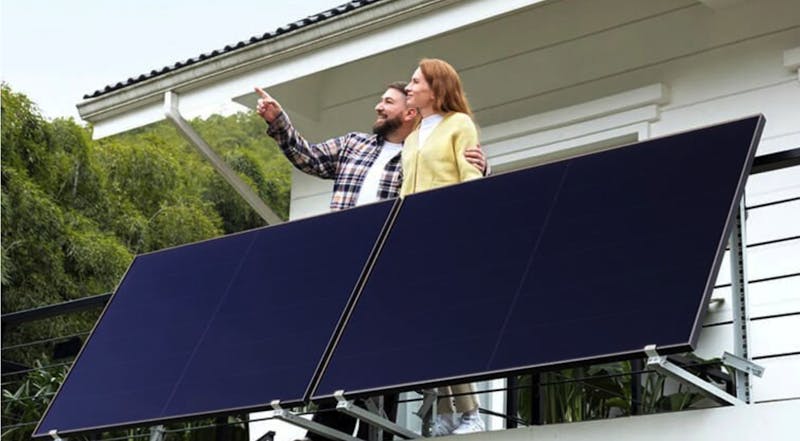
[{"x": 387, "y": 126}]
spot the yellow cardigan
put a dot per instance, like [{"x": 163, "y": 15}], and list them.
[{"x": 441, "y": 160}]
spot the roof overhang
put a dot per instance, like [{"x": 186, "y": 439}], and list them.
[
  {"x": 519, "y": 60},
  {"x": 359, "y": 34}
]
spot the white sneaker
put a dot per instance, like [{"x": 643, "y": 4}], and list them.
[
  {"x": 470, "y": 424},
  {"x": 444, "y": 424}
]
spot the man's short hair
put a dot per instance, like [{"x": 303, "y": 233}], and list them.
[{"x": 398, "y": 85}]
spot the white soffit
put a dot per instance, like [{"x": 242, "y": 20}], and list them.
[
  {"x": 416, "y": 29},
  {"x": 355, "y": 37}
]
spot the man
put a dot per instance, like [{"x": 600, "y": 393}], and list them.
[{"x": 365, "y": 168}]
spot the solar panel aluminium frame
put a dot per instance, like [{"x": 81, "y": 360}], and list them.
[
  {"x": 352, "y": 301},
  {"x": 341, "y": 321},
  {"x": 752, "y": 144},
  {"x": 738, "y": 200},
  {"x": 35, "y": 434}
]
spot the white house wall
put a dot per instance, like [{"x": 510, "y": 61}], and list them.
[
  {"x": 563, "y": 53},
  {"x": 714, "y": 65}
]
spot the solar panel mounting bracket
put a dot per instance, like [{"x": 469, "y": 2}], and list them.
[
  {"x": 289, "y": 417},
  {"x": 742, "y": 364},
  {"x": 429, "y": 397},
  {"x": 740, "y": 304},
  {"x": 666, "y": 367},
  {"x": 348, "y": 407}
]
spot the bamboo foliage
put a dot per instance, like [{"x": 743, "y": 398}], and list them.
[{"x": 76, "y": 211}]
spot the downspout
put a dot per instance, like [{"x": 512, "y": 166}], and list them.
[{"x": 173, "y": 114}]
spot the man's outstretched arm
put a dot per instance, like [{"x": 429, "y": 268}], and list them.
[{"x": 320, "y": 160}]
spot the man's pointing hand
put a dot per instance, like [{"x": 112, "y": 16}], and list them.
[{"x": 267, "y": 107}]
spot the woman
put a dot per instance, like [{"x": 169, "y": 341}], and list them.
[{"x": 433, "y": 156}]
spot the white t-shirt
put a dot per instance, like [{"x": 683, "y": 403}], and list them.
[
  {"x": 427, "y": 125},
  {"x": 369, "y": 188}
]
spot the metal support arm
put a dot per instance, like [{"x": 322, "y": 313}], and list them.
[
  {"x": 428, "y": 398},
  {"x": 664, "y": 366},
  {"x": 425, "y": 411},
  {"x": 742, "y": 364},
  {"x": 173, "y": 114},
  {"x": 362, "y": 414},
  {"x": 289, "y": 417}
]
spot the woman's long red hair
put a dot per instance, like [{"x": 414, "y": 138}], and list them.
[{"x": 446, "y": 86}]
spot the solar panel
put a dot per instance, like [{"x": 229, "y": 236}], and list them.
[
  {"x": 586, "y": 259},
  {"x": 218, "y": 326},
  {"x": 591, "y": 258}
]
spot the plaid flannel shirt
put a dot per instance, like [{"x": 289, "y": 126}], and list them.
[{"x": 345, "y": 159}]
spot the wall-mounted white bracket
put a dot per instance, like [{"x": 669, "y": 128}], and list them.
[
  {"x": 664, "y": 366},
  {"x": 742, "y": 364},
  {"x": 287, "y": 416},
  {"x": 54, "y": 434},
  {"x": 348, "y": 407}
]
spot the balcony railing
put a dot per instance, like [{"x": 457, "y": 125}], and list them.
[{"x": 576, "y": 394}]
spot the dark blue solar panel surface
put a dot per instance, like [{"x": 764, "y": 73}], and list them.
[
  {"x": 226, "y": 324},
  {"x": 589, "y": 258}
]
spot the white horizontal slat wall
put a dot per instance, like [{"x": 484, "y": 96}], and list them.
[
  {"x": 768, "y": 337},
  {"x": 766, "y": 261},
  {"x": 773, "y": 260},
  {"x": 766, "y": 299},
  {"x": 773, "y": 222},
  {"x": 775, "y": 186},
  {"x": 772, "y": 235}
]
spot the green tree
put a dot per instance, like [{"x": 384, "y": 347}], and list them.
[{"x": 75, "y": 212}]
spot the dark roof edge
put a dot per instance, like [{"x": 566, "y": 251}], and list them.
[{"x": 285, "y": 29}]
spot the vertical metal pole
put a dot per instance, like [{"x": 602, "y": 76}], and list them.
[
  {"x": 636, "y": 386},
  {"x": 221, "y": 429},
  {"x": 537, "y": 400},
  {"x": 512, "y": 401},
  {"x": 741, "y": 314},
  {"x": 375, "y": 405},
  {"x": 425, "y": 412}
]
